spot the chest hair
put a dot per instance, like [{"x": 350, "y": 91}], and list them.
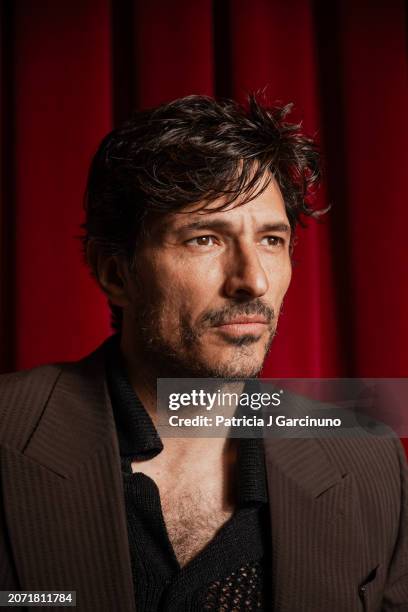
[{"x": 192, "y": 520}]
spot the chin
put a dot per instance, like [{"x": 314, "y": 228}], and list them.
[
  {"x": 234, "y": 368},
  {"x": 244, "y": 361},
  {"x": 237, "y": 372}
]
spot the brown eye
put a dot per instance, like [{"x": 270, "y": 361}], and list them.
[
  {"x": 202, "y": 241},
  {"x": 272, "y": 241}
]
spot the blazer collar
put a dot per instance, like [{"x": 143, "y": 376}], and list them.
[
  {"x": 304, "y": 463},
  {"x": 77, "y": 419}
]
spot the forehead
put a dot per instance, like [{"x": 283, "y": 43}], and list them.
[{"x": 267, "y": 206}]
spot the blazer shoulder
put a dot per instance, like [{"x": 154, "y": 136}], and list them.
[
  {"x": 364, "y": 445},
  {"x": 23, "y": 396},
  {"x": 361, "y": 451}
]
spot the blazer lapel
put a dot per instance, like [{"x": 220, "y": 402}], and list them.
[
  {"x": 64, "y": 499},
  {"x": 315, "y": 526}
]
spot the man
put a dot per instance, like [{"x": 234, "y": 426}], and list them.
[{"x": 190, "y": 214}]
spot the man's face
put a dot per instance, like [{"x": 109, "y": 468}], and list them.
[{"x": 207, "y": 288}]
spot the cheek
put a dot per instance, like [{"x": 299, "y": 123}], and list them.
[
  {"x": 175, "y": 295},
  {"x": 280, "y": 280},
  {"x": 194, "y": 281}
]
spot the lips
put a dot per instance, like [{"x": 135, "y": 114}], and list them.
[
  {"x": 243, "y": 325},
  {"x": 244, "y": 320}
]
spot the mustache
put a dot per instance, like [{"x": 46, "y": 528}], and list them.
[{"x": 219, "y": 317}]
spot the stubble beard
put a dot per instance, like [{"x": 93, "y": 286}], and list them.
[{"x": 183, "y": 357}]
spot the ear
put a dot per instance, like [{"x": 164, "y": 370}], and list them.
[{"x": 112, "y": 275}]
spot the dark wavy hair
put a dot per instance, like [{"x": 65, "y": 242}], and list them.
[{"x": 192, "y": 150}]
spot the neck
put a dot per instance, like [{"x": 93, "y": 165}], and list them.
[{"x": 143, "y": 378}]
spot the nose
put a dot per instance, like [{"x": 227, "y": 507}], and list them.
[{"x": 245, "y": 276}]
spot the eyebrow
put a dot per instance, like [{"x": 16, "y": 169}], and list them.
[{"x": 218, "y": 224}]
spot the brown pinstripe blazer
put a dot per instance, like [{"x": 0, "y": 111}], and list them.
[{"x": 339, "y": 508}]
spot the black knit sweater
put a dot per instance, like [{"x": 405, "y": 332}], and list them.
[{"x": 229, "y": 573}]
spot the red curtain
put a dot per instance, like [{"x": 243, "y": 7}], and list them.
[{"x": 70, "y": 70}]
